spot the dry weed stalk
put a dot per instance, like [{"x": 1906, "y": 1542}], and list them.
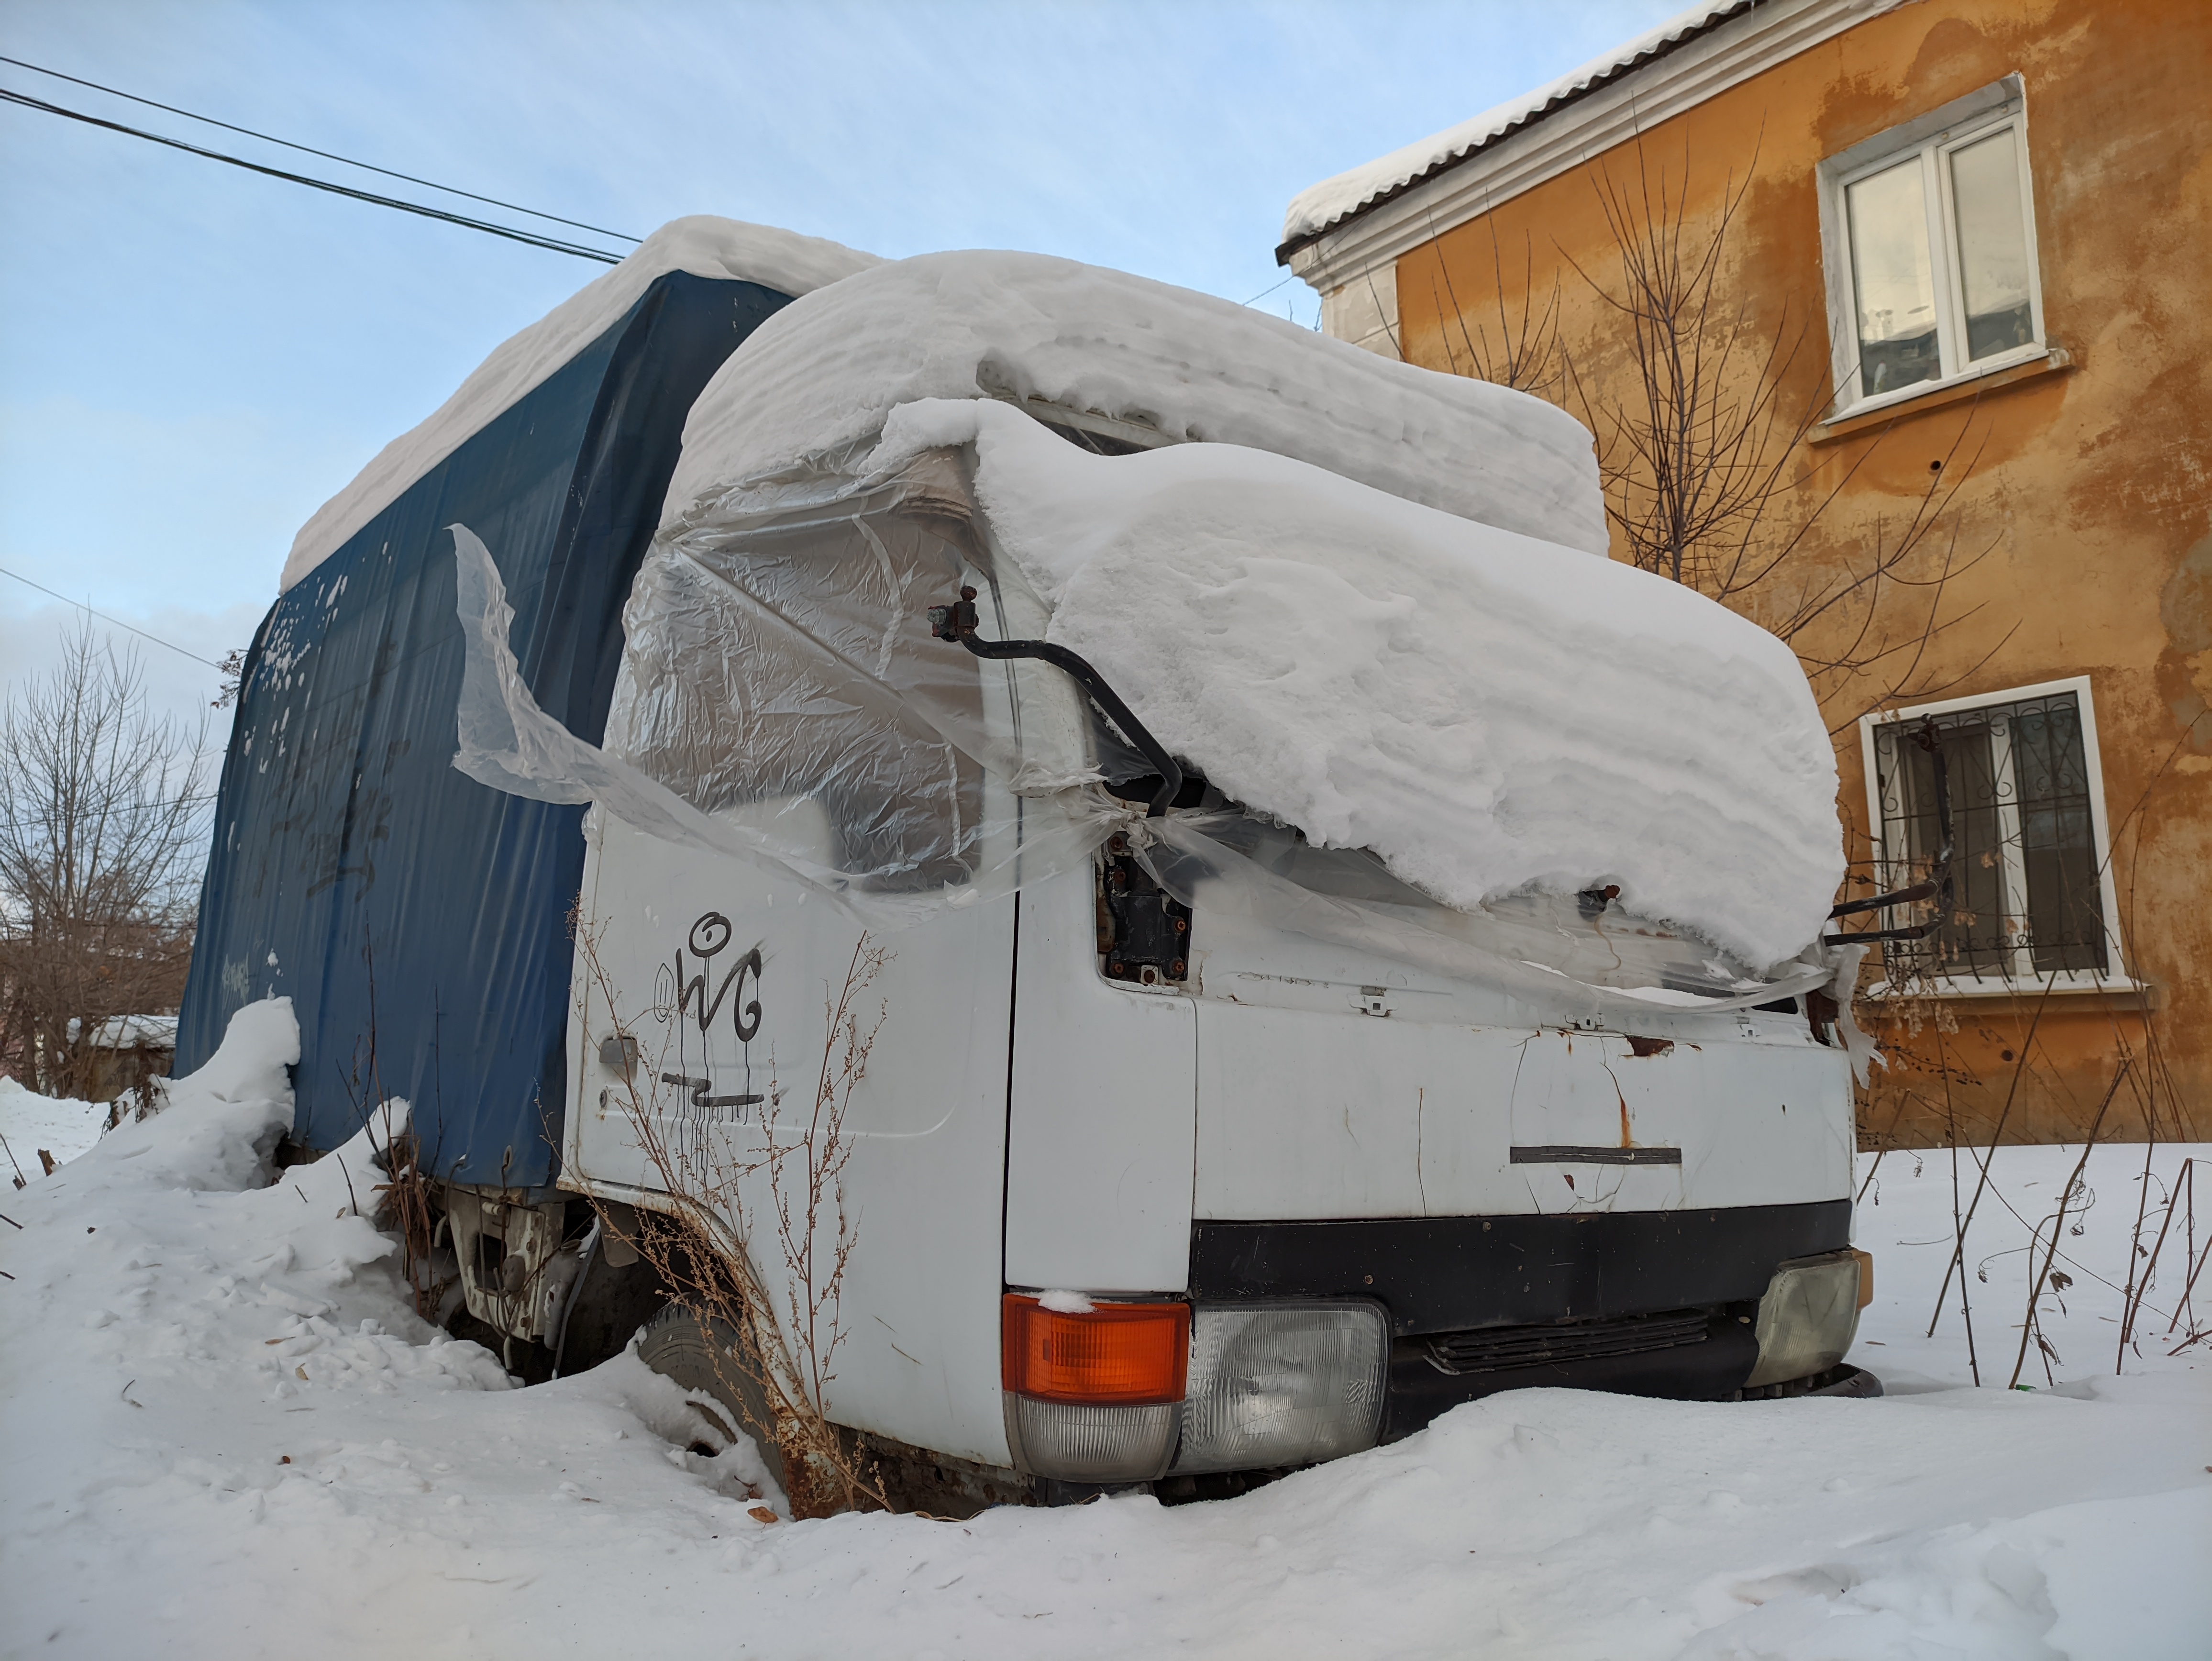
[
  {"x": 2076, "y": 1189},
  {"x": 1915, "y": 989},
  {"x": 773, "y": 1356},
  {"x": 2139, "y": 1286}
]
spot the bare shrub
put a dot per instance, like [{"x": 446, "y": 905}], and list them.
[{"x": 774, "y": 1355}]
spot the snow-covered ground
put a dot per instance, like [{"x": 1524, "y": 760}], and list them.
[
  {"x": 30, "y": 1122},
  {"x": 223, "y": 1432}
]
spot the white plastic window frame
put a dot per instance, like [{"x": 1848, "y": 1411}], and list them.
[
  {"x": 1893, "y": 873},
  {"x": 1934, "y": 138}
]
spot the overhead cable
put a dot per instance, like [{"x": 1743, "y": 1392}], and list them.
[
  {"x": 104, "y": 618},
  {"x": 309, "y": 150},
  {"x": 531, "y": 239}
]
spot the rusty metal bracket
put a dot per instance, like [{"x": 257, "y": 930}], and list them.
[
  {"x": 1144, "y": 933},
  {"x": 1937, "y": 886}
]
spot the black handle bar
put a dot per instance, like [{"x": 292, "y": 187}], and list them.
[{"x": 957, "y": 622}]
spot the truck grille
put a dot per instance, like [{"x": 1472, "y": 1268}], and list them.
[{"x": 1493, "y": 1349}]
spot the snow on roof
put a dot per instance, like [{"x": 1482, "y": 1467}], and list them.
[
  {"x": 129, "y": 1031},
  {"x": 1321, "y": 206},
  {"x": 700, "y": 244},
  {"x": 824, "y": 373},
  {"x": 1490, "y": 714}
]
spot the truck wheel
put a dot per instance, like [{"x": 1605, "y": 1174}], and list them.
[{"x": 699, "y": 1355}]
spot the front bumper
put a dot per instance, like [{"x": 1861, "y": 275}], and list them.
[{"x": 1657, "y": 1303}]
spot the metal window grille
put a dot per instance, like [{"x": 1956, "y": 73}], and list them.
[{"x": 2026, "y": 895}]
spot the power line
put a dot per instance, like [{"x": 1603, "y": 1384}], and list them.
[
  {"x": 309, "y": 150},
  {"x": 529, "y": 238},
  {"x": 104, "y": 618}
]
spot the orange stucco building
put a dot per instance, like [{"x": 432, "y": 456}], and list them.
[{"x": 1980, "y": 232}]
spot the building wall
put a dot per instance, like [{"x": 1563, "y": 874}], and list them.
[{"x": 2089, "y": 483}]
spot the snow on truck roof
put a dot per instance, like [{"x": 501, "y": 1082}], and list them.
[
  {"x": 700, "y": 244},
  {"x": 1163, "y": 362},
  {"x": 1492, "y": 714},
  {"x": 1099, "y": 343},
  {"x": 1365, "y": 605}
]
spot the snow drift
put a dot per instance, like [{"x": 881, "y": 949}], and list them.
[
  {"x": 223, "y": 1433},
  {"x": 822, "y": 375}
]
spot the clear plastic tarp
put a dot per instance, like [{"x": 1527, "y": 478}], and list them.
[{"x": 784, "y": 700}]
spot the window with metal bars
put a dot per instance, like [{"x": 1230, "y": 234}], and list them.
[{"x": 2027, "y": 887}]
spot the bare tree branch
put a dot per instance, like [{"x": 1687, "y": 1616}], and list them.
[{"x": 101, "y": 835}]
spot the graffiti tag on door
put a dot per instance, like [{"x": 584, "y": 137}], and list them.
[{"x": 681, "y": 994}]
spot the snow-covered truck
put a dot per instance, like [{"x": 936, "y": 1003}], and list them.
[{"x": 1255, "y": 930}]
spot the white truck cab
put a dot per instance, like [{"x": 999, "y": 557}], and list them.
[{"x": 1079, "y": 1118}]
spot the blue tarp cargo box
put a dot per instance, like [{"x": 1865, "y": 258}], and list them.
[{"x": 418, "y": 919}]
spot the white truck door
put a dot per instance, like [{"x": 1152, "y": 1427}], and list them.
[{"x": 728, "y": 978}]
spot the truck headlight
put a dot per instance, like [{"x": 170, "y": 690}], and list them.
[
  {"x": 1283, "y": 1385},
  {"x": 1808, "y": 1318}
]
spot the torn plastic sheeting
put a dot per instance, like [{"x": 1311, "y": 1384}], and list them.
[
  {"x": 779, "y": 648},
  {"x": 1865, "y": 1053},
  {"x": 1601, "y": 945},
  {"x": 773, "y": 655},
  {"x": 1490, "y": 714},
  {"x": 777, "y": 654},
  {"x": 508, "y": 744},
  {"x": 1208, "y": 874}
]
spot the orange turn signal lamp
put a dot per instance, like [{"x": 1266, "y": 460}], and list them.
[{"x": 1114, "y": 1355}]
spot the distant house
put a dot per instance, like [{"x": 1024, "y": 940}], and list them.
[
  {"x": 1980, "y": 232},
  {"x": 127, "y": 1050}
]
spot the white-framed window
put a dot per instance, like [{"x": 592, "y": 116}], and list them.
[
  {"x": 1929, "y": 231},
  {"x": 2031, "y": 893}
]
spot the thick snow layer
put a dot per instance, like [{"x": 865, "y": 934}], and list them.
[
  {"x": 224, "y": 1434},
  {"x": 822, "y": 375},
  {"x": 700, "y": 244},
  {"x": 1489, "y": 713},
  {"x": 62, "y": 1127},
  {"x": 1320, "y": 206},
  {"x": 129, "y": 1031}
]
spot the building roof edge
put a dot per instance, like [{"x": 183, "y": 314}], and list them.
[{"x": 1507, "y": 121}]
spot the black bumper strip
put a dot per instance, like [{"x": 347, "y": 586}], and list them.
[{"x": 1453, "y": 1273}]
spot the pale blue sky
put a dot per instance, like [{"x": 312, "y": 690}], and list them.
[{"x": 192, "y": 358}]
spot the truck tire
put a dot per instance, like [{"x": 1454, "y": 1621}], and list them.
[{"x": 697, "y": 1355}]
